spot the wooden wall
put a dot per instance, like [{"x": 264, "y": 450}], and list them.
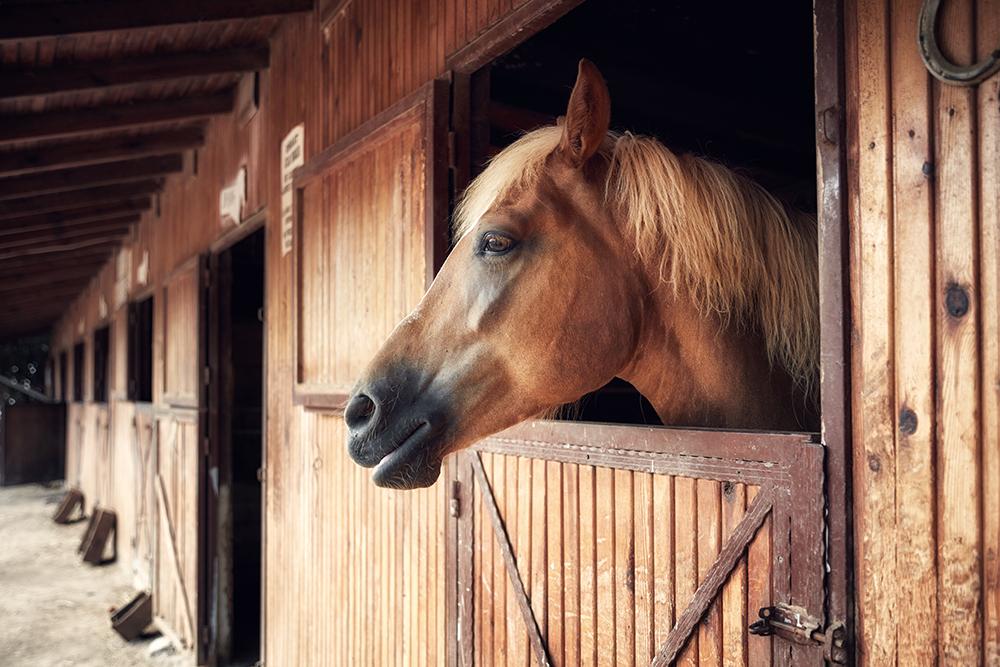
[
  {"x": 923, "y": 216},
  {"x": 924, "y": 207}
]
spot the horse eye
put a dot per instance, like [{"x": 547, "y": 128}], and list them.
[{"x": 496, "y": 244}]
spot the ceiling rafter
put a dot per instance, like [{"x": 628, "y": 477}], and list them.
[
  {"x": 67, "y": 122},
  {"x": 66, "y": 201},
  {"x": 77, "y": 178},
  {"x": 94, "y": 151},
  {"x": 129, "y": 70},
  {"x": 52, "y": 19}
]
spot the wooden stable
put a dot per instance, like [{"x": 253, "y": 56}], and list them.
[{"x": 606, "y": 544}]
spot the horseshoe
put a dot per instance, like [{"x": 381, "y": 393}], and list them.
[{"x": 938, "y": 64}]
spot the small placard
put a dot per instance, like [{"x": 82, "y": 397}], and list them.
[
  {"x": 232, "y": 198},
  {"x": 292, "y": 157},
  {"x": 142, "y": 271}
]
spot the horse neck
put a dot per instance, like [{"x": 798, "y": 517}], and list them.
[{"x": 697, "y": 370}]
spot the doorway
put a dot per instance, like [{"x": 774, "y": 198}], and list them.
[
  {"x": 236, "y": 410},
  {"x": 748, "y": 103}
]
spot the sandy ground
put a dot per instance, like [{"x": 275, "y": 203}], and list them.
[{"x": 53, "y": 606}]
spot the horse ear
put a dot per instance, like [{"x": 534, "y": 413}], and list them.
[{"x": 588, "y": 115}]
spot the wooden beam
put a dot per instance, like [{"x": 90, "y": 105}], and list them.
[
  {"x": 84, "y": 215},
  {"x": 51, "y": 19},
  {"x": 109, "y": 226},
  {"x": 29, "y": 277},
  {"x": 92, "y": 119},
  {"x": 65, "y": 201},
  {"x": 85, "y": 244},
  {"x": 39, "y": 286},
  {"x": 95, "y": 151},
  {"x": 78, "y": 178},
  {"x": 125, "y": 71},
  {"x": 53, "y": 262}
]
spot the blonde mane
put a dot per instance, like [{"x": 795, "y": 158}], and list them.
[{"x": 719, "y": 237}]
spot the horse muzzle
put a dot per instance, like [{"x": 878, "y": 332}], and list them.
[{"x": 396, "y": 430}]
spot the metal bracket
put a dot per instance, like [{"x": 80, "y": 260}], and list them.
[{"x": 796, "y": 625}]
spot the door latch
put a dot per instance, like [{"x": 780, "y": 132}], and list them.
[{"x": 796, "y": 625}]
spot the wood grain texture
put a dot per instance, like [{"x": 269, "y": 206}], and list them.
[
  {"x": 872, "y": 312},
  {"x": 988, "y": 114}
]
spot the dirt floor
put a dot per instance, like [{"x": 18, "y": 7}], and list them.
[{"x": 53, "y": 606}]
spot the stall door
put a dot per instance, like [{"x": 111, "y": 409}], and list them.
[
  {"x": 619, "y": 545},
  {"x": 179, "y": 469},
  {"x": 356, "y": 574}
]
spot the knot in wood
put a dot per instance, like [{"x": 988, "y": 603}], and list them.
[
  {"x": 956, "y": 300},
  {"x": 907, "y": 421}
]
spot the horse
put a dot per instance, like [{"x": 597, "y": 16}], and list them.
[{"x": 583, "y": 255}]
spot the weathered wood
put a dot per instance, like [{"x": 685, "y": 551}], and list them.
[
  {"x": 78, "y": 178},
  {"x": 125, "y": 71},
  {"x": 76, "y": 199},
  {"x": 68, "y": 18},
  {"x": 988, "y": 115},
  {"x": 715, "y": 577},
  {"x": 163, "y": 507},
  {"x": 959, "y": 499},
  {"x": 92, "y": 119},
  {"x": 871, "y": 315},
  {"x": 73, "y": 218},
  {"x": 913, "y": 238},
  {"x": 93, "y": 151}
]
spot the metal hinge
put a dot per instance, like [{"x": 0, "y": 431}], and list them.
[
  {"x": 455, "y": 504},
  {"x": 795, "y": 624},
  {"x": 262, "y": 474}
]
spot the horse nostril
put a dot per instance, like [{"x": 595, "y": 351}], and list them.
[{"x": 359, "y": 412}]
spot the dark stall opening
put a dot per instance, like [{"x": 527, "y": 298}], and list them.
[
  {"x": 140, "y": 351},
  {"x": 733, "y": 84},
  {"x": 78, "y": 372},
  {"x": 240, "y": 330},
  {"x": 102, "y": 348}
]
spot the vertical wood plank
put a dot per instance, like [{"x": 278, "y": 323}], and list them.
[
  {"x": 663, "y": 557},
  {"x": 556, "y": 559},
  {"x": 625, "y": 579},
  {"x": 588, "y": 566},
  {"x": 912, "y": 233},
  {"x": 539, "y": 559},
  {"x": 734, "y": 594},
  {"x": 686, "y": 556},
  {"x": 759, "y": 651},
  {"x": 572, "y": 519},
  {"x": 709, "y": 533},
  {"x": 872, "y": 308},
  {"x": 645, "y": 511},
  {"x": 959, "y": 537},
  {"x": 605, "y": 565},
  {"x": 988, "y": 33}
]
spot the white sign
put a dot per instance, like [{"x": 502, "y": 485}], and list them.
[
  {"x": 123, "y": 276},
  {"x": 292, "y": 156},
  {"x": 102, "y": 308},
  {"x": 142, "y": 271},
  {"x": 232, "y": 198}
]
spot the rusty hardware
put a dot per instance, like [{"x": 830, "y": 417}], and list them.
[
  {"x": 829, "y": 121},
  {"x": 795, "y": 624}
]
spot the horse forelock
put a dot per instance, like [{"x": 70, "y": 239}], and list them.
[{"x": 714, "y": 236}]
